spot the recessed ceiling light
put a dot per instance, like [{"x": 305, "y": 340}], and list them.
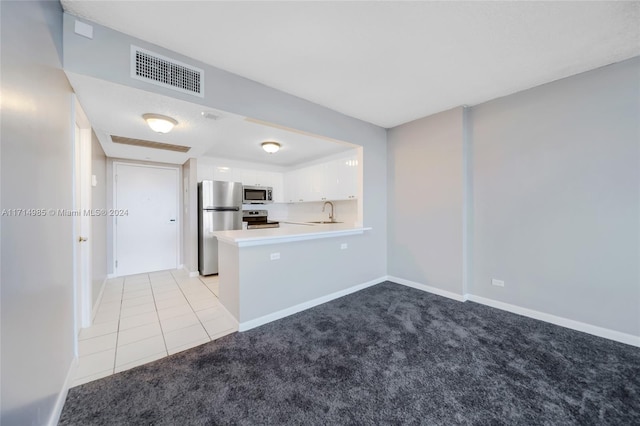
[
  {"x": 159, "y": 123},
  {"x": 271, "y": 146}
]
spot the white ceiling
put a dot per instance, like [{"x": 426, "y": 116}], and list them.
[
  {"x": 117, "y": 110},
  {"x": 385, "y": 62}
]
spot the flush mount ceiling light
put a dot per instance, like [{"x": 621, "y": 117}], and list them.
[
  {"x": 271, "y": 146},
  {"x": 159, "y": 123}
]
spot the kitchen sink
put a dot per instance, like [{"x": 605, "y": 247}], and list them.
[{"x": 323, "y": 222}]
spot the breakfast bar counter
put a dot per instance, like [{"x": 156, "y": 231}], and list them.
[
  {"x": 287, "y": 232},
  {"x": 266, "y": 274}
]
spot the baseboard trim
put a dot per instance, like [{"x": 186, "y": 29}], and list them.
[
  {"x": 248, "y": 325},
  {"x": 429, "y": 289},
  {"x": 62, "y": 396},
  {"x": 606, "y": 333},
  {"x": 192, "y": 274}
]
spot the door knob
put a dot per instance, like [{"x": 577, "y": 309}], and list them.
[{"x": 82, "y": 239}]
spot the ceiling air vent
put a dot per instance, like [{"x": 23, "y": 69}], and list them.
[
  {"x": 162, "y": 71},
  {"x": 149, "y": 144}
]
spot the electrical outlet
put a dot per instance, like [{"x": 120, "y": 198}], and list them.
[
  {"x": 343, "y": 246},
  {"x": 275, "y": 256},
  {"x": 497, "y": 283}
]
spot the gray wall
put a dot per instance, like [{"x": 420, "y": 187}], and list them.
[
  {"x": 297, "y": 277},
  {"x": 557, "y": 203},
  {"x": 553, "y": 178},
  {"x": 36, "y": 252},
  {"x": 98, "y": 223},
  {"x": 425, "y": 186},
  {"x": 107, "y": 57}
]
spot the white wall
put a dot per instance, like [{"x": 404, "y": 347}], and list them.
[
  {"x": 557, "y": 198},
  {"x": 345, "y": 211},
  {"x": 426, "y": 194},
  {"x": 37, "y": 306}
]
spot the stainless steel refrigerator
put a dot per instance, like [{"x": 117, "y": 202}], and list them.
[{"x": 219, "y": 209}]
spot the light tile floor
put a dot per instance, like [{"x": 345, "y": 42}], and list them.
[{"x": 145, "y": 317}]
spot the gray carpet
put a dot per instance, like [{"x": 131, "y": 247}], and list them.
[{"x": 385, "y": 355}]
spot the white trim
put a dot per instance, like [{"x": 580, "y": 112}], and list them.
[
  {"x": 467, "y": 201},
  {"x": 98, "y": 300},
  {"x": 192, "y": 274},
  {"x": 248, "y": 325},
  {"x": 606, "y": 333},
  {"x": 109, "y": 276},
  {"x": 62, "y": 396},
  {"x": 429, "y": 289},
  {"x": 81, "y": 224},
  {"x": 618, "y": 336}
]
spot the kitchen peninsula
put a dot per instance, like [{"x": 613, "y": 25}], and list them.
[{"x": 267, "y": 274}]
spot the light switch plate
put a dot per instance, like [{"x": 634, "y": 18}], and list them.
[
  {"x": 497, "y": 283},
  {"x": 343, "y": 246},
  {"x": 275, "y": 256}
]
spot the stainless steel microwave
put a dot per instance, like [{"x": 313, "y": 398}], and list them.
[{"x": 257, "y": 194}]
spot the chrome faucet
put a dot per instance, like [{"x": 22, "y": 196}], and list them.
[{"x": 331, "y": 219}]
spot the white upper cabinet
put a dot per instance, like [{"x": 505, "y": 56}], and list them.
[
  {"x": 223, "y": 173},
  {"x": 297, "y": 184},
  {"x": 328, "y": 181},
  {"x": 331, "y": 180},
  {"x": 245, "y": 175},
  {"x": 346, "y": 178}
]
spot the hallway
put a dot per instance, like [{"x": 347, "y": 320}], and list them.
[{"x": 145, "y": 317}]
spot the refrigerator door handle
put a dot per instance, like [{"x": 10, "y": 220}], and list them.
[{"x": 224, "y": 209}]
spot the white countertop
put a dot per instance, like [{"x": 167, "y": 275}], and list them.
[{"x": 287, "y": 232}]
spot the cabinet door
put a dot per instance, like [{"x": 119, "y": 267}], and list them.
[
  {"x": 205, "y": 172},
  {"x": 292, "y": 186},
  {"x": 347, "y": 178},
  {"x": 223, "y": 173},
  {"x": 276, "y": 182},
  {"x": 246, "y": 176},
  {"x": 329, "y": 181},
  {"x": 317, "y": 187}
]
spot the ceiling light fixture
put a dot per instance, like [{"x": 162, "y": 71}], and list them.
[
  {"x": 159, "y": 123},
  {"x": 271, "y": 146}
]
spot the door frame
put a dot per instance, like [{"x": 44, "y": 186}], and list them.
[
  {"x": 82, "y": 223},
  {"x": 114, "y": 218}
]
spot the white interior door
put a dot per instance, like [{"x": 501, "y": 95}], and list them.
[{"x": 146, "y": 218}]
